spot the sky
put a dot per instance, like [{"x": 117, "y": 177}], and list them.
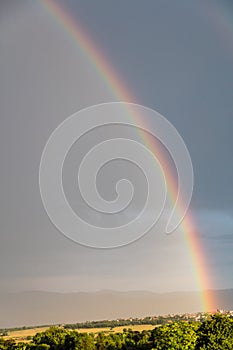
[{"x": 176, "y": 58}]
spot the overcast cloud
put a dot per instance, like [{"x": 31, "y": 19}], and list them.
[{"x": 176, "y": 59}]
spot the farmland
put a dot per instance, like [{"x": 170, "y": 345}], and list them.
[{"x": 25, "y": 335}]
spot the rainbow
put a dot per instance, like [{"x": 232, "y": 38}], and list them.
[
  {"x": 99, "y": 62},
  {"x": 220, "y": 17}
]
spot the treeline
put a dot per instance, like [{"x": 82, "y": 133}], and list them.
[
  {"x": 215, "y": 333},
  {"x": 157, "y": 320},
  {"x": 114, "y": 323}
]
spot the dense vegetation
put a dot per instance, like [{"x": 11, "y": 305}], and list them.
[{"x": 214, "y": 333}]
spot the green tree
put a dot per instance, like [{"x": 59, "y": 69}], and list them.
[
  {"x": 215, "y": 333},
  {"x": 100, "y": 341},
  {"x": 175, "y": 336},
  {"x": 54, "y": 337},
  {"x": 2, "y": 344},
  {"x": 79, "y": 341},
  {"x": 32, "y": 346}
]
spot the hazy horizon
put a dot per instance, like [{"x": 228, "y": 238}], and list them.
[{"x": 40, "y": 308}]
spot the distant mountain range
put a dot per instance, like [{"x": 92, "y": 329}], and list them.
[{"x": 39, "y": 308}]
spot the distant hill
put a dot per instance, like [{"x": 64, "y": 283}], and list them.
[{"x": 37, "y": 308}]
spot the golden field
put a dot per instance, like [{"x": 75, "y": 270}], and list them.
[{"x": 23, "y": 334}]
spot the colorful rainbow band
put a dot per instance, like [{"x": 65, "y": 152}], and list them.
[{"x": 122, "y": 93}]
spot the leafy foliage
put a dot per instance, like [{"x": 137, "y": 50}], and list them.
[
  {"x": 215, "y": 333},
  {"x": 175, "y": 336}
]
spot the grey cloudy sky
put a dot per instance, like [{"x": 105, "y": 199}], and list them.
[{"x": 176, "y": 57}]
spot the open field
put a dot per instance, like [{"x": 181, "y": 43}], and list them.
[{"x": 23, "y": 334}]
